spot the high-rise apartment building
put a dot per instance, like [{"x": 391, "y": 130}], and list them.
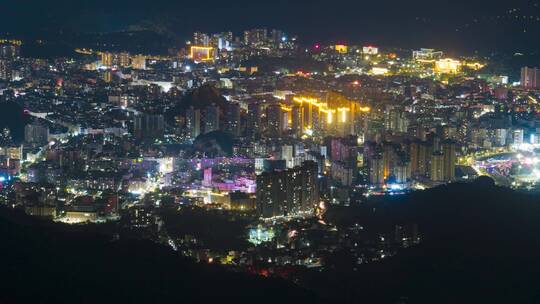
[
  {"x": 530, "y": 78},
  {"x": 149, "y": 126},
  {"x": 254, "y": 120},
  {"x": 288, "y": 192},
  {"x": 274, "y": 115},
  {"x": 211, "y": 118},
  {"x": 449, "y": 161},
  {"x": 36, "y": 134},
  {"x": 193, "y": 122},
  {"x": 255, "y": 37},
  {"x": 233, "y": 119}
]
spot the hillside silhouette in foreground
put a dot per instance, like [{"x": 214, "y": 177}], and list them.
[
  {"x": 480, "y": 244},
  {"x": 52, "y": 263}
]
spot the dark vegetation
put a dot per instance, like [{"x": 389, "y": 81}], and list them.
[
  {"x": 479, "y": 244},
  {"x": 199, "y": 99},
  {"x": 43, "y": 262},
  {"x": 216, "y": 231},
  {"x": 13, "y": 117}
]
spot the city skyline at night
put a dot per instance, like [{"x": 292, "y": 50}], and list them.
[
  {"x": 269, "y": 151},
  {"x": 456, "y": 25}
]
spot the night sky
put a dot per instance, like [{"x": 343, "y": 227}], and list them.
[{"x": 447, "y": 24}]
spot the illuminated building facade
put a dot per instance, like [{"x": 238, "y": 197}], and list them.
[
  {"x": 447, "y": 66},
  {"x": 9, "y": 50},
  {"x": 6, "y": 70},
  {"x": 193, "y": 122},
  {"x": 379, "y": 71},
  {"x": 211, "y": 119},
  {"x": 12, "y": 151},
  {"x": 201, "y": 39},
  {"x": 518, "y": 136},
  {"x": 138, "y": 62},
  {"x": 233, "y": 119},
  {"x": 297, "y": 125},
  {"x": 344, "y": 157},
  {"x": 419, "y": 152},
  {"x": 336, "y": 116},
  {"x": 107, "y": 59},
  {"x": 530, "y": 78},
  {"x": 288, "y": 192},
  {"x": 149, "y": 126},
  {"x": 376, "y": 170},
  {"x": 275, "y": 125},
  {"x": 277, "y": 37},
  {"x": 370, "y": 50},
  {"x": 395, "y": 120},
  {"x": 254, "y": 120},
  {"x": 436, "y": 172},
  {"x": 341, "y": 48},
  {"x": 124, "y": 59},
  {"x": 255, "y": 37},
  {"x": 449, "y": 160},
  {"x": 36, "y": 134},
  {"x": 201, "y": 53},
  {"x": 427, "y": 54}
]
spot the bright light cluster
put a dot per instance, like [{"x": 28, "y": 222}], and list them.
[
  {"x": 447, "y": 66},
  {"x": 201, "y": 53}
]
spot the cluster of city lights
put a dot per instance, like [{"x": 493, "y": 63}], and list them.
[
  {"x": 201, "y": 53},
  {"x": 330, "y": 112}
]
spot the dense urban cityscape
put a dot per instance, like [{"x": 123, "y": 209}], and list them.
[{"x": 258, "y": 152}]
